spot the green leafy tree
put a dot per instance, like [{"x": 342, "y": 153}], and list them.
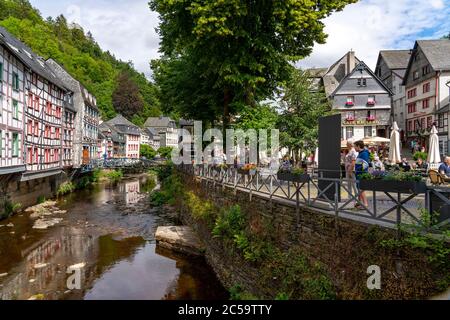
[
  {"x": 165, "y": 152},
  {"x": 301, "y": 109},
  {"x": 242, "y": 48},
  {"x": 263, "y": 116},
  {"x": 147, "y": 151}
]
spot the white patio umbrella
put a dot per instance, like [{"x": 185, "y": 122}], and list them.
[
  {"x": 394, "y": 151},
  {"x": 434, "y": 157},
  {"x": 316, "y": 157},
  {"x": 375, "y": 140}
]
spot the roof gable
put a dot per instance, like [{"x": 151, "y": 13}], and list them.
[
  {"x": 362, "y": 67},
  {"x": 29, "y": 58},
  {"x": 395, "y": 59}
]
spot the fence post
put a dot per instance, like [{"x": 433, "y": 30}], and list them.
[
  {"x": 336, "y": 198},
  {"x": 297, "y": 203},
  {"x": 399, "y": 213}
]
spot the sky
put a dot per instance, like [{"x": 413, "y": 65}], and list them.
[{"x": 127, "y": 28}]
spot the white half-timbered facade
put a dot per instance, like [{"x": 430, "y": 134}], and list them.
[
  {"x": 41, "y": 110},
  {"x": 12, "y": 92}
]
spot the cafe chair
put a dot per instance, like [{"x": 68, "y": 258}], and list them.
[{"x": 435, "y": 177}]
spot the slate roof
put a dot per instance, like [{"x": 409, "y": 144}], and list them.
[
  {"x": 86, "y": 98},
  {"x": 330, "y": 82},
  {"x": 360, "y": 65},
  {"x": 186, "y": 123},
  {"x": 437, "y": 53},
  {"x": 115, "y": 135},
  {"x": 396, "y": 59},
  {"x": 159, "y": 122},
  {"x": 29, "y": 58},
  {"x": 153, "y": 134},
  {"x": 121, "y": 124}
]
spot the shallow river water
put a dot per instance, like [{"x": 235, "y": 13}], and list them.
[{"x": 107, "y": 237}]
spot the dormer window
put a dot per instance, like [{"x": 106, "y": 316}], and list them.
[
  {"x": 350, "y": 101},
  {"x": 371, "y": 101}
]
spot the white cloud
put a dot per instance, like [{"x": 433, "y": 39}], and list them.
[
  {"x": 127, "y": 28},
  {"x": 372, "y": 25}
]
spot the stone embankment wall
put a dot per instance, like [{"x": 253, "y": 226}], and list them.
[
  {"x": 345, "y": 249},
  {"x": 27, "y": 193}
]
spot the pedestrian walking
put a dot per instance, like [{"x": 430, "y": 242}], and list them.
[
  {"x": 361, "y": 167},
  {"x": 349, "y": 162}
]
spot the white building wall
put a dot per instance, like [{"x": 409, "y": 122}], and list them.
[
  {"x": 133, "y": 146},
  {"x": 12, "y": 110}
]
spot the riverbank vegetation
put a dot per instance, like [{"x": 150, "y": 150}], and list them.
[
  {"x": 171, "y": 186},
  {"x": 9, "y": 208},
  {"x": 297, "y": 277},
  {"x": 65, "y": 188},
  {"x": 251, "y": 241}
]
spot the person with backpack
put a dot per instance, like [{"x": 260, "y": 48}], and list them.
[{"x": 361, "y": 167}]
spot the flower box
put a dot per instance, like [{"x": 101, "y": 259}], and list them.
[
  {"x": 371, "y": 103},
  {"x": 288, "y": 176},
  {"x": 349, "y": 104},
  {"x": 371, "y": 118},
  {"x": 409, "y": 187}
]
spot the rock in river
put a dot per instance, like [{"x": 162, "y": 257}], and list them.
[{"x": 179, "y": 239}]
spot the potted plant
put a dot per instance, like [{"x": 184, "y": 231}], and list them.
[
  {"x": 293, "y": 175},
  {"x": 349, "y": 104},
  {"x": 248, "y": 169},
  {"x": 393, "y": 181},
  {"x": 371, "y": 103}
]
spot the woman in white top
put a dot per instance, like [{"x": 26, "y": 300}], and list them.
[{"x": 350, "y": 160}]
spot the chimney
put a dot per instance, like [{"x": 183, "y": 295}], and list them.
[{"x": 351, "y": 61}]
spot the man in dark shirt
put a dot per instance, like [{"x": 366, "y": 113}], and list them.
[
  {"x": 361, "y": 167},
  {"x": 445, "y": 167}
]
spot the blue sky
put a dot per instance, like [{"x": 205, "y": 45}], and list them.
[{"x": 127, "y": 28}]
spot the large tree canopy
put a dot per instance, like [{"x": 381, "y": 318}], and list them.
[
  {"x": 302, "y": 106},
  {"x": 243, "y": 48},
  {"x": 126, "y": 98}
]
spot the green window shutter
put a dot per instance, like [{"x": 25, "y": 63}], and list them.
[{"x": 1, "y": 71}]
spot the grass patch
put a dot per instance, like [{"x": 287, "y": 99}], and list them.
[
  {"x": 65, "y": 188},
  {"x": 9, "y": 209}
]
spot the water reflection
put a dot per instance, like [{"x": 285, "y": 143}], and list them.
[
  {"x": 104, "y": 229},
  {"x": 131, "y": 190}
]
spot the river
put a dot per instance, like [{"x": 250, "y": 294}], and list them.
[{"x": 108, "y": 232}]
